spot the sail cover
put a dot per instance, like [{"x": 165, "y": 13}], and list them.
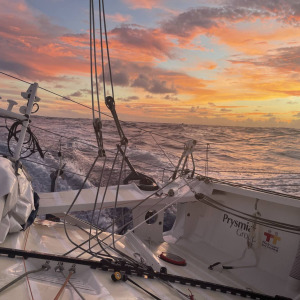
[{"x": 16, "y": 199}]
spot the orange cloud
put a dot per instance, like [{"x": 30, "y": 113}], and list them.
[
  {"x": 148, "y": 4},
  {"x": 118, "y": 18}
]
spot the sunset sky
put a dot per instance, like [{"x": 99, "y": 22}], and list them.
[{"x": 216, "y": 62}]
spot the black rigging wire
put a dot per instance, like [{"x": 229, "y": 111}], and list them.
[
  {"x": 32, "y": 144},
  {"x": 134, "y": 125},
  {"x": 88, "y": 107}
]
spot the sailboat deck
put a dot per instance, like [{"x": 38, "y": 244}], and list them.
[{"x": 96, "y": 284}]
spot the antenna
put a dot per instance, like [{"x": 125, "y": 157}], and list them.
[{"x": 30, "y": 95}]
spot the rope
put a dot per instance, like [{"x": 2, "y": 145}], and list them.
[
  {"x": 105, "y": 229},
  {"x": 101, "y": 45},
  {"x": 73, "y": 286},
  {"x": 95, "y": 61},
  {"x": 88, "y": 107},
  {"x": 107, "y": 49},
  {"x": 258, "y": 220},
  {"x": 206, "y": 159},
  {"x": 44, "y": 267},
  {"x": 117, "y": 193},
  {"x": 146, "y": 291},
  {"x": 162, "y": 150},
  {"x": 91, "y": 58},
  {"x": 32, "y": 141},
  {"x": 64, "y": 285},
  {"x": 141, "y": 223}
]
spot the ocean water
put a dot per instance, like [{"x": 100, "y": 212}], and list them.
[{"x": 267, "y": 158}]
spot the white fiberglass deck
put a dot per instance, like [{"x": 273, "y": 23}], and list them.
[{"x": 97, "y": 284}]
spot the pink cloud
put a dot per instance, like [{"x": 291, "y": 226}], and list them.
[
  {"x": 147, "y": 4},
  {"x": 119, "y": 18}
]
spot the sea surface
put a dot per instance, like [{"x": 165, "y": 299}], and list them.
[{"x": 267, "y": 158}]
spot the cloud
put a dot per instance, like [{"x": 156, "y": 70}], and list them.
[
  {"x": 120, "y": 78},
  {"x": 171, "y": 98},
  {"x": 202, "y": 19},
  {"x": 128, "y": 99},
  {"x": 153, "y": 86},
  {"x": 118, "y": 18},
  {"x": 194, "y": 109},
  {"x": 286, "y": 59},
  {"x": 129, "y": 39},
  {"x": 292, "y": 102},
  {"x": 268, "y": 115},
  {"x": 76, "y": 94},
  {"x": 146, "y": 4},
  {"x": 78, "y": 40},
  {"x": 225, "y": 110},
  {"x": 287, "y": 11},
  {"x": 38, "y": 53}
]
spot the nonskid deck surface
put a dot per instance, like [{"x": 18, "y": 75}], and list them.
[{"x": 97, "y": 284}]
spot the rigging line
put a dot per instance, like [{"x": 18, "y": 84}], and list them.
[
  {"x": 96, "y": 200},
  {"x": 185, "y": 296},
  {"x": 261, "y": 220},
  {"x": 141, "y": 223},
  {"x": 91, "y": 145},
  {"x": 254, "y": 220},
  {"x": 53, "y": 167},
  {"x": 91, "y": 60},
  {"x": 253, "y": 188},
  {"x": 126, "y": 122},
  {"x": 49, "y": 166},
  {"x": 212, "y": 201},
  {"x": 250, "y": 187},
  {"x": 76, "y": 245},
  {"x": 43, "y": 268},
  {"x": 125, "y": 225},
  {"x": 107, "y": 150},
  {"x": 101, "y": 45},
  {"x": 103, "y": 256},
  {"x": 73, "y": 286},
  {"x": 146, "y": 291},
  {"x": 88, "y": 107},
  {"x": 263, "y": 178},
  {"x": 139, "y": 204},
  {"x": 149, "y": 196},
  {"x": 107, "y": 50},
  {"x": 104, "y": 195},
  {"x": 162, "y": 150},
  {"x": 76, "y": 197},
  {"x": 138, "y": 216},
  {"x": 88, "y": 251},
  {"x": 71, "y": 272},
  {"x": 95, "y": 61},
  {"x": 278, "y": 184},
  {"x": 117, "y": 193},
  {"x": 19, "y": 79},
  {"x": 115, "y": 250},
  {"x": 253, "y": 172}
]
